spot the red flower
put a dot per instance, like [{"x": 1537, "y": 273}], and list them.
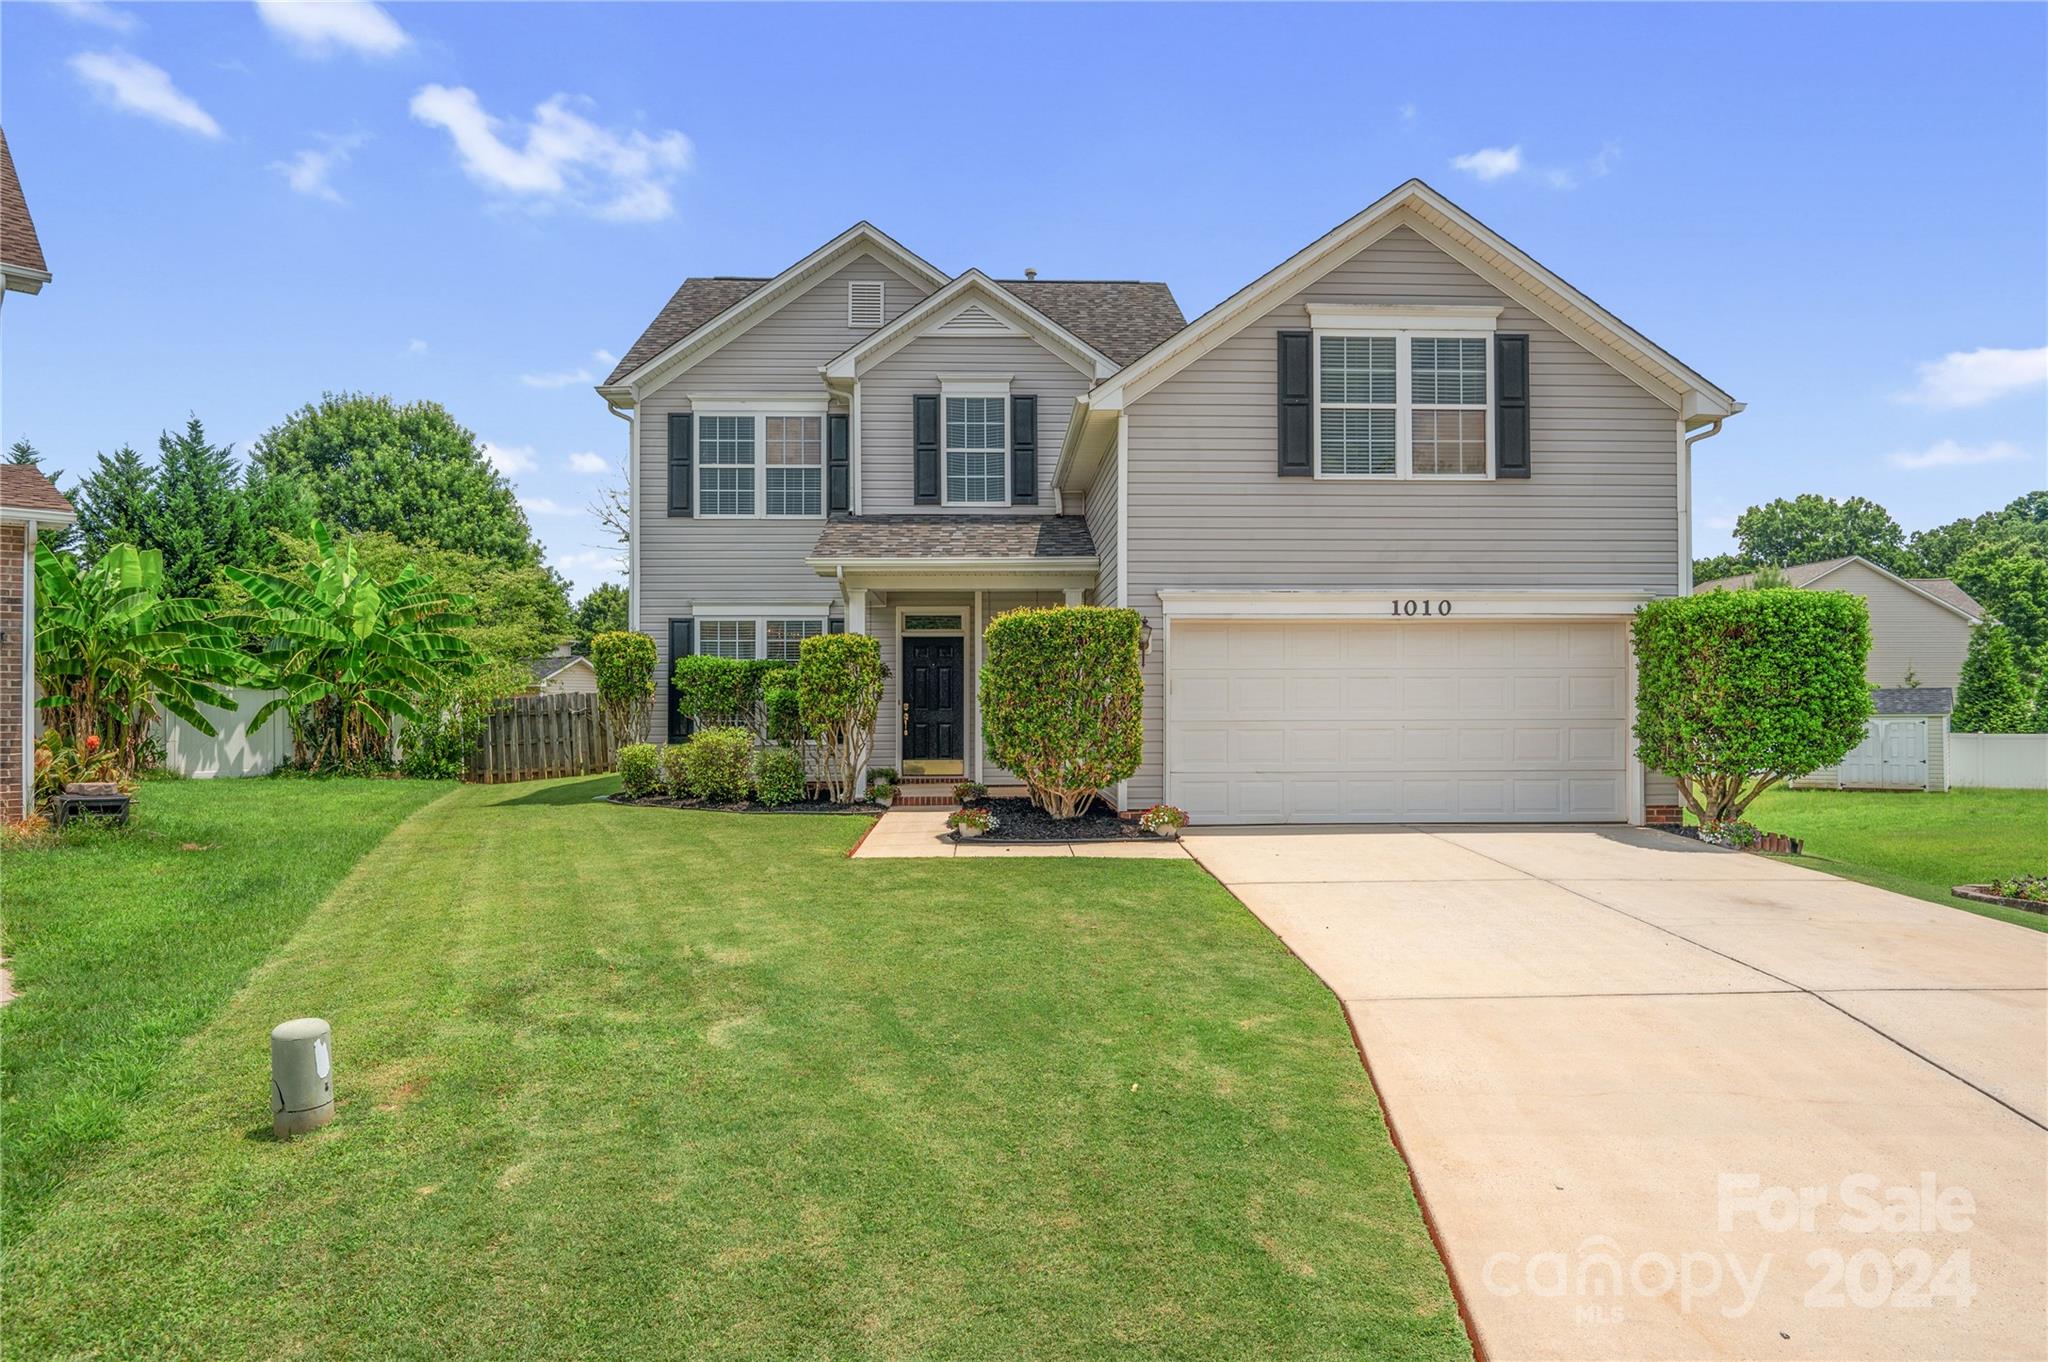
[{"x": 92, "y": 743}]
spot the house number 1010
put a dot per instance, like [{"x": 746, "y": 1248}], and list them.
[{"x": 1424, "y": 607}]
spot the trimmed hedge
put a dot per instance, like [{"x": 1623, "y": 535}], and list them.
[
  {"x": 839, "y": 689},
  {"x": 778, "y": 776},
  {"x": 1062, "y": 700},
  {"x": 725, "y": 691},
  {"x": 1738, "y": 690},
  {"x": 640, "y": 768},
  {"x": 672, "y": 778},
  {"x": 624, "y": 663},
  {"x": 717, "y": 765}
]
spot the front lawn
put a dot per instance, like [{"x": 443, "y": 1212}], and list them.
[
  {"x": 637, "y": 1083},
  {"x": 123, "y": 943},
  {"x": 1918, "y": 844}
]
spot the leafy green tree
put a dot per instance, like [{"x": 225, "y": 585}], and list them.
[
  {"x": 1062, "y": 700},
  {"x": 2038, "y": 723},
  {"x": 200, "y": 517},
  {"x": 112, "y": 643},
  {"x": 2008, "y": 576},
  {"x": 603, "y": 611},
  {"x": 839, "y": 692},
  {"x": 1993, "y": 696},
  {"x": 1810, "y": 528},
  {"x": 350, "y": 652},
  {"x": 1937, "y": 550},
  {"x": 115, "y": 503},
  {"x": 409, "y": 471},
  {"x": 1738, "y": 690},
  {"x": 624, "y": 663},
  {"x": 1721, "y": 565}
]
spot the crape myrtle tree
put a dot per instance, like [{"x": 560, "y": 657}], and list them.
[
  {"x": 1062, "y": 700},
  {"x": 1738, "y": 690},
  {"x": 624, "y": 663},
  {"x": 839, "y": 690}
]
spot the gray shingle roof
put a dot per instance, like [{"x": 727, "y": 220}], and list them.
[
  {"x": 692, "y": 305},
  {"x": 545, "y": 667},
  {"x": 1943, "y": 589},
  {"x": 1802, "y": 574},
  {"x": 1913, "y": 700},
  {"x": 19, "y": 245},
  {"x": 1123, "y": 318},
  {"x": 955, "y": 536}
]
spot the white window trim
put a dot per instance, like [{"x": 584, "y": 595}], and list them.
[
  {"x": 756, "y": 615},
  {"x": 756, "y": 408},
  {"x": 1459, "y": 324},
  {"x": 974, "y": 385}
]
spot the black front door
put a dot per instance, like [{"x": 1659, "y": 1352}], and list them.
[{"x": 933, "y": 707}]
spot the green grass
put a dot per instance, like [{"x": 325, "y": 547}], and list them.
[
  {"x": 122, "y": 944},
  {"x": 637, "y": 1083},
  {"x": 1918, "y": 844}
]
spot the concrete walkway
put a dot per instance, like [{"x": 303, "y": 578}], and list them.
[
  {"x": 1666, "y": 1101},
  {"x": 922, "y": 832}
]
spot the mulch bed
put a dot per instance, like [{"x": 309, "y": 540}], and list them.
[
  {"x": 1019, "y": 820},
  {"x": 1769, "y": 843},
  {"x": 801, "y": 806}
]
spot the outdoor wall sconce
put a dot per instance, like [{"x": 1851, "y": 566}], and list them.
[{"x": 1144, "y": 637}]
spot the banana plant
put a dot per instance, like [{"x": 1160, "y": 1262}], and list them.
[
  {"x": 349, "y": 653},
  {"x": 111, "y": 646}
]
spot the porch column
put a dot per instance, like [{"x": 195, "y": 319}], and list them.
[
  {"x": 856, "y": 610},
  {"x": 1074, "y": 595}
]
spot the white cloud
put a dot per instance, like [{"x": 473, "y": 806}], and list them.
[
  {"x": 1970, "y": 378},
  {"x": 128, "y": 82},
  {"x": 308, "y": 172},
  {"x": 1949, "y": 454},
  {"x": 1490, "y": 163},
  {"x": 583, "y": 461},
  {"x": 544, "y": 506},
  {"x": 318, "y": 27},
  {"x": 561, "y": 157},
  {"x": 604, "y": 359},
  {"x": 415, "y": 346},
  {"x": 510, "y": 459},
  {"x": 99, "y": 15},
  {"x": 1409, "y": 113}
]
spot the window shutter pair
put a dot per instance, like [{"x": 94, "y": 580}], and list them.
[
  {"x": 1297, "y": 405},
  {"x": 680, "y": 644},
  {"x": 679, "y": 476},
  {"x": 925, "y": 448},
  {"x": 1024, "y": 450},
  {"x": 838, "y": 479}
]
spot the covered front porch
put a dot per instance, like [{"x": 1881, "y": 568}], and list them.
[{"x": 924, "y": 587}]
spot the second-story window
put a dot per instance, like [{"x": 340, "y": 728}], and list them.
[
  {"x": 1403, "y": 404},
  {"x": 795, "y": 474},
  {"x": 725, "y": 465},
  {"x": 977, "y": 452}
]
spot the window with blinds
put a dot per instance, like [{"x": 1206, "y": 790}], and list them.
[
  {"x": 725, "y": 465},
  {"x": 1447, "y": 384},
  {"x": 977, "y": 451},
  {"x": 794, "y": 477},
  {"x": 1359, "y": 411}
]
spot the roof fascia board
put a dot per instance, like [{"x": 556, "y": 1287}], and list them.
[
  {"x": 913, "y": 324},
  {"x": 770, "y": 298}
]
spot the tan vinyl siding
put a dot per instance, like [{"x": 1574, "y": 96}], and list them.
[
  {"x": 1207, "y": 509},
  {"x": 684, "y": 561},
  {"x": 886, "y": 472},
  {"x": 1908, "y": 632}
]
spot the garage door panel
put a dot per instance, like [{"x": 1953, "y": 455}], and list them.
[{"x": 1446, "y": 721}]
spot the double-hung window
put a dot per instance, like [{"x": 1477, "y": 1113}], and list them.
[
  {"x": 756, "y": 457},
  {"x": 796, "y": 465},
  {"x": 726, "y": 638},
  {"x": 1403, "y": 394},
  {"x": 725, "y": 465},
  {"x": 977, "y": 451},
  {"x": 786, "y": 637},
  {"x": 778, "y": 638}
]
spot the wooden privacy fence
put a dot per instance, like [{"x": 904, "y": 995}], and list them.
[{"x": 535, "y": 737}]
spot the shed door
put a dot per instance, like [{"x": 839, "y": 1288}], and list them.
[
  {"x": 1892, "y": 756},
  {"x": 1398, "y": 722}
]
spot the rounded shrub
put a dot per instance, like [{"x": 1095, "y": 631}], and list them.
[
  {"x": 1062, "y": 700},
  {"x": 717, "y": 765},
  {"x": 672, "y": 777},
  {"x": 624, "y": 663},
  {"x": 640, "y": 768},
  {"x": 778, "y": 776}
]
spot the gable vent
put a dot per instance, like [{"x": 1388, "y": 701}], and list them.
[
  {"x": 864, "y": 303},
  {"x": 975, "y": 320}
]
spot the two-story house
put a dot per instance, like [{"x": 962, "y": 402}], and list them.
[{"x": 1386, "y": 510}]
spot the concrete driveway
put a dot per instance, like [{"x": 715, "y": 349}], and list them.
[{"x": 1666, "y": 1101}]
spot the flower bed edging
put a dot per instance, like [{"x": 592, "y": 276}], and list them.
[
  {"x": 1981, "y": 893},
  {"x": 1039, "y": 828},
  {"x": 812, "y": 806}
]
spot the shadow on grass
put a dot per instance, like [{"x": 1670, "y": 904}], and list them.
[{"x": 561, "y": 792}]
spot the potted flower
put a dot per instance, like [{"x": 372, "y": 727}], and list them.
[
  {"x": 1163, "y": 820},
  {"x": 970, "y": 792},
  {"x": 970, "y": 822},
  {"x": 882, "y": 785}
]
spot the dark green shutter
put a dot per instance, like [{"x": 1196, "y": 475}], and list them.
[
  {"x": 680, "y": 644},
  {"x": 1297, "y": 400},
  {"x": 838, "y": 470},
  {"x": 679, "y": 478},
  {"x": 1024, "y": 450},
  {"x": 836, "y": 625},
  {"x": 925, "y": 448},
  {"x": 1511, "y": 406}
]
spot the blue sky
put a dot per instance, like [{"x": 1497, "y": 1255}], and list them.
[{"x": 1838, "y": 213}]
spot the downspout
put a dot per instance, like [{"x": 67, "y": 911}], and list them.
[{"x": 1685, "y": 504}]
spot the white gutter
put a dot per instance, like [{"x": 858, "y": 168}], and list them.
[{"x": 1685, "y": 500}]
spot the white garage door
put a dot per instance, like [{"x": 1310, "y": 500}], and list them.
[{"x": 1369, "y": 722}]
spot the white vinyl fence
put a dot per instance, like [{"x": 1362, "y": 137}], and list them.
[
  {"x": 236, "y": 752},
  {"x": 1998, "y": 761}
]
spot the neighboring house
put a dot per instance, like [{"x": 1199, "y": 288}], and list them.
[
  {"x": 28, "y": 504},
  {"x": 1919, "y": 632},
  {"x": 562, "y": 673},
  {"x": 1386, "y": 511},
  {"x": 1919, "y": 626}
]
